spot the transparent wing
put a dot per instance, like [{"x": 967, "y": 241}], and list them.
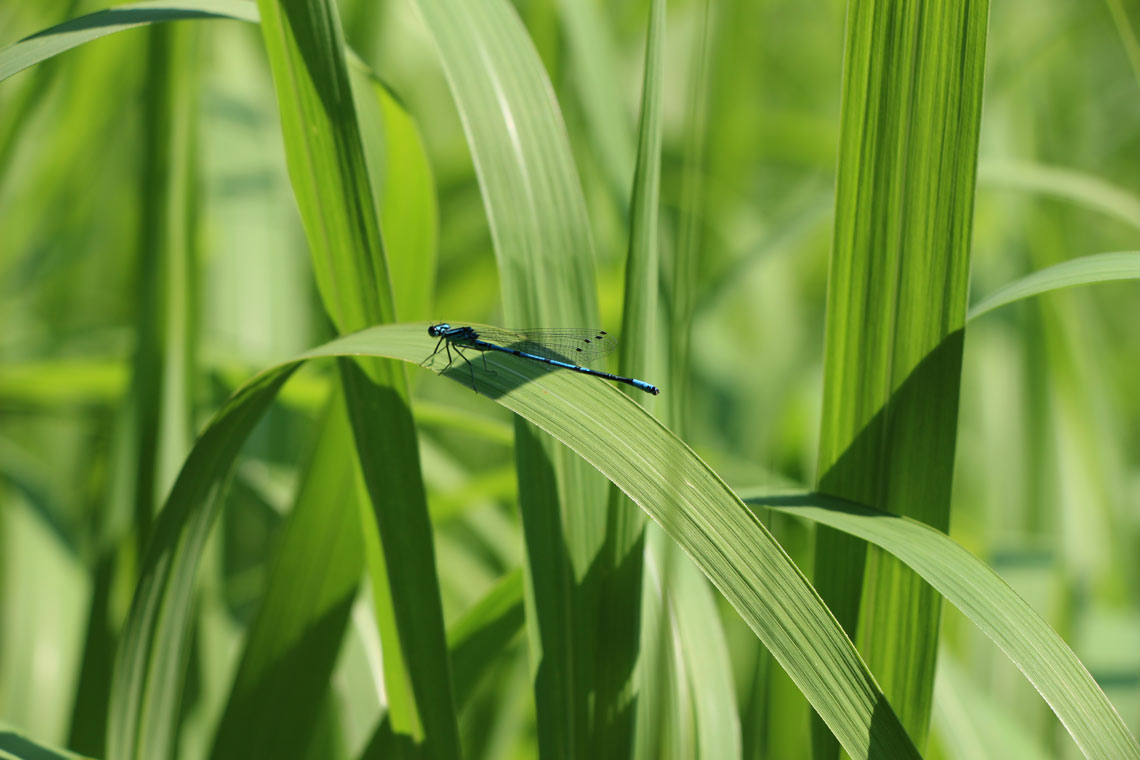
[{"x": 573, "y": 345}]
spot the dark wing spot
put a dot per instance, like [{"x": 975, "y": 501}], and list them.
[{"x": 580, "y": 350}]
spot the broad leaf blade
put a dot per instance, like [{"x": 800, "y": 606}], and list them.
[
  {"x": 283, "y": 678},
  {"x": 645, "y": 460},
  {"x": 544, "y": 250},
  {"x": 331, "y": 182},
  {"x": 151, "y": 657},
  {"x": 694, "y": 507},
  {"x": 896, "y": 306},
  {"x": 975, "y": 589}
]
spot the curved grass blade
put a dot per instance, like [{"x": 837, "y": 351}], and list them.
[
  {"x": 329, "y": 175},
  {"x": 149, "y": 664},
  {"x": 1086, "y": 270},
  {"x": 57, "y": 39},
  {"x": 545, "y": 255},
  {"x": 1066, "y": 184},
  {"x": 144, "y": 698},
  {"x": 651, "y": 465},
  {"x": 292, "y": 644},
  {"x": 475, "y": 639},
  {"x": 974, "y": 588},
  {"x": 14, "y": 746}
]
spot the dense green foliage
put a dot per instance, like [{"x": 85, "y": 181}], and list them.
[{"x": 219, "y": 541}]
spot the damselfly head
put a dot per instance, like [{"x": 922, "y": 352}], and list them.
[{"x": 436, "y": 331}]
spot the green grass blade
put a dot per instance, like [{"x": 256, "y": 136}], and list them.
[
  {"x": 405, "y": 192},
  {"x": 545, "y": 256},
  {"x": 330, "y": 180},
  {"x": 1066, "y": 184},
  {"x": 326, "y": 161},
  {"x": 161, "y": 387},
  {"x": 522, "y": 158},
  {"x": 1085, "y": 270},
  {"x": 620, "y": 565},
  {"x": 896, "y": 305},
  {"x": 976, "y": 590},
  {"x": 14, "y": 746},
  {"x": 687, "y": 250},
  {"x": 168, "y": 259},
  {"x": 663, "y": 689},
  {"x": 475, "y": 641},
  {"x": 641, "y": 269},
  {"x": 484, "y": 631},
  {"x": 593, "y": 61},
  {"x": 696, "y": 682},
  {"x": 150, "y": 662},
  {"x": 78, "y": 31},
  {"x": 1127, "y": 34},
  {"x": 708, "y": 670},
  {"x": 62, "y": 37},
  {"x": 664, "y": 477},
  {"x": 289, "y": 654},
  {"x": 62, "y": 383}
]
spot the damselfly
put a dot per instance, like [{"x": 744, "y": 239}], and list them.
[{"x": 567, "y": 349}]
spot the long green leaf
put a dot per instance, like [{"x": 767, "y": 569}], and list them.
[
  {"x": 474, "y": 641},
  {"x": 700, "y": 683},
  {"x": 1085, "y": 270},
  {"x": 283, "y": 678},
  {"x": 594, "y": 61},
  {"x": 14, "y": 746},
  {"x": 1127, "y": 34},
  {"x": 163, "y": 382},
  {"x": 975, "y": 589},
  {"x": 62, "y": 37},
  {"x": 70, "y": 34},
  {"x": 1067, "y": 184},
  {"x": 544, "y": 250},
  {"x": 402, "y": 180},
  {"x": 150, "y": 661},
  {"x": 484, "y": 631},
  {"x": 620, "y": 565},
  {"x": 141, "y": 716},
  {"x": 704, "y": 653},
  {"x": 522, "y": 156},
  {"x": 897, "y": 295},
  {"x": 330, "y": 179},
  {"x": 651, "y": 465},
  {"x": 161, "y": 386}
]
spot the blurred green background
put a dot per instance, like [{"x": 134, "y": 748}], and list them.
[{"x": 1047, "y": 480}]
